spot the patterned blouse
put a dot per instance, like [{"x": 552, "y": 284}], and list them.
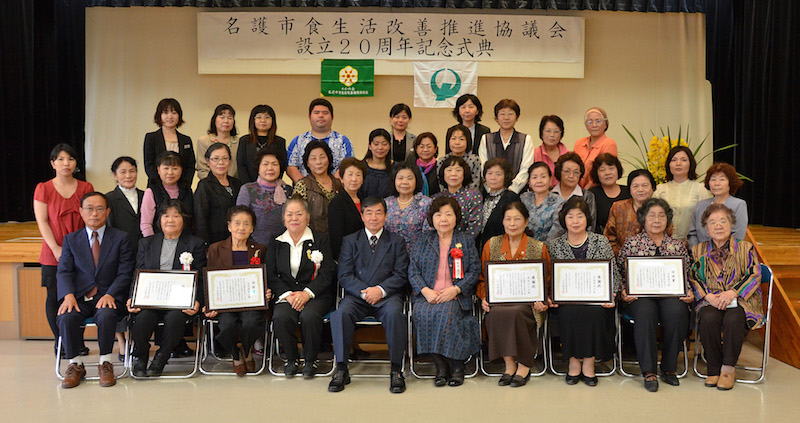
[
  {"x": 543, "y": 220},
  {"x": 474, "y": 163},
  {"x": 598, "y": 248},
  {"x": 412, "y": 222},
  {"x": 491, "y": 201},
  {"x": 641, "y": 245},
  {"x": 622, "y": 224},
  {"x": 732, "y": 267},
  {"x": 471, "y": 209},
  {"x": 269, "y": 221}
]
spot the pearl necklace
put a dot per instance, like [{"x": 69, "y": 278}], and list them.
[
  {"x": 579, "y": 245},
  {"x": 403, "y": 203}
]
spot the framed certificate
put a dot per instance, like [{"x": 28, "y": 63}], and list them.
[
  {"x": 515, "y": 282},
  {"x": 662, "y": 276},
  {"x": 164, "y": 289},
  {"x": 236, "y": 289},
  {"x": 582, "y": 281}
]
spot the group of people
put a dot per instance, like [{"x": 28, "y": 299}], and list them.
[{"x": 402, "y": 224}]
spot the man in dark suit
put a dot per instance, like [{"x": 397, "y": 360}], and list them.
[
  {"x": 94, "y": 276},
  {"x": 373, "y": 271}
]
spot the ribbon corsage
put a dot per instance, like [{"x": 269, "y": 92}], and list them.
[
  {"x": 316, "y": 258},
  {"x": 256, "y": 259},
  {"x": 458, "y": 267},
  {"x": 186, "y": 260}
]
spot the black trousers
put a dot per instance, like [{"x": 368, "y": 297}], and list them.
[
  {"x": 285, "y": 320},
  {"x": 145, "y": 323},
  {"x": 69, "y": 325},
  {"x": 722, "y": 333},
  {"x": 51, "y": 303},
  {"x": 229, "y": 334},
  {"x": 647, "y": 313},
  {"x": 389, "y": 312}
]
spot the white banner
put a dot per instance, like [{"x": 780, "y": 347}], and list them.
[
  {"x": 389, "y": 36},
  {"x": 439, "y": 84}
]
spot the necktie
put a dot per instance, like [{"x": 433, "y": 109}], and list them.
[
  {"x": 95, "y": 247},
  {"x": 373, "y": 241}
]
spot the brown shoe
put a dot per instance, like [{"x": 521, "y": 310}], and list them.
[
  {"x": 726, "y": 381},
  {"x": 711, "y": 381},
  {"x": 75, "y": 372},
  {"x": 106, "y": 372},
  {"x": 249, "y": 362},
  {"x": 239, "y": 368}
]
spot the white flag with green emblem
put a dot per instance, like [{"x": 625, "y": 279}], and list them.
[{"x": 440, "y": 83}]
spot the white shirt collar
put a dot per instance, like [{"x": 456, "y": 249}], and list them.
[
  {"x": 578, "y": 191},
  {"x": 285, "y": 237},
  {"x": 100, "y": 232},
  {"x": 377, "y": 234}
]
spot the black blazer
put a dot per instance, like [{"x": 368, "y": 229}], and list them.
[
  {"x": 246, "y": 157},
  {"x": 480, "y": 131},
  {"x": 360, "y": 268},
  {"x": 494, "y": 225},
  {"x": 149, "y": 256},
  {"x": 279, "y": 275},
  {"x": 154, "y": 145},
  {"x": 77, "y": 273},
  {"x": 343, "y": 220},
  {"x": 125, "y": 218},
  {"x": 211, "y": 204}
]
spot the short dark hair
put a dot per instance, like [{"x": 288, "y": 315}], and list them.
[
  {"x": 119, "y": 161},
  {"x": 569, "y": 157},
  {"x": 405, "y": 166},
  {"x": 212, "y": 129},
  {"x": 457, "y": 161},
  {"x": 272, "y": 150},
  {"x": 648, "y": 204},
  {"x": 371, "y": 201},
  {"x": 350, "y": 162},
  {"x": 324, "y": 146},
  {"x": 216, "y": 146},
  {"x": 506, "y": 103},
  {"x": 430, "y": 136},
  {"x": 641, "y": 172},
  {"x": 464, "y": 130},
  {"x": 536, "y": 165},
  {"x": 734, "y": 182},
  {"x": 571, "y": 204},
  {"x": 241, "y": 209},
  {"x": 173, "y": 203},
  {"x": 93, "y": 194},
  {"x": 320, "y": 102},
  {"x": 375, "y": 133},
  {"x": 518, "y": 206},
  {"x": 605, "y": 159},
  {"x": 65, "y": 148},
  {"x": 551, "y": 118},
  {"x": 460, "y": 102},
  {"x": 166, "y": 105},
  {"x": 715, "y": 207},
  {"x": 508, "y": 174},
  {"x": 169, "y": 158},
  {"x": 400, "y": 107},
  {"x": 440, "y": 202},
  {"x": 692, "y": 162},
  {"x": 251, "y": 124}
]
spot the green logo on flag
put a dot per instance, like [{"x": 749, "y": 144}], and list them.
[
  {"x": 446, "y": 90},
  {"x": 347, "y": 78}
]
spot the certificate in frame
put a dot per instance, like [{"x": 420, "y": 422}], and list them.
[
  {"x": 582, "y": 282},
  {"x": 515, "y": 282},
  {"x": 164, "y": 289},
  {"x": 656, "y": 277},
  {"x": 237, "y": 288}
]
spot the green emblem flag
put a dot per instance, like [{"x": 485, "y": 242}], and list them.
[{"x": 347, "y": 78}]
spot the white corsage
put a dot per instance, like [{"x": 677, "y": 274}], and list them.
[
  {"x": 316, "y": 258},
  {"x": 186, "y": 260}
]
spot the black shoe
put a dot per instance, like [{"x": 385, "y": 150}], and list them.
[
  {"x": 442, "y": 370},
  {"x": 457, "y": 375},
  {"x": 291, "y": 369},
  {"x": 157, "y": 365},
  {"x": 505, "y": 380},
  {"x": 651, "y": 383},
  {"x": 85, "y": 351},
  {"x": 670, "y": 378},
  {"x": 339, "y": 380},
  {"x": 397, "y": 385},
  {"x": 139, "y": 366},
  {"x": 572, "y": 380},
  {"x": 518, "y": 380},
  {"x": 182, "y": 350},
  {"x": 121, "y": 358},
  {"x": 309, "y": 370},
  {"x": 590, "y": 381}
]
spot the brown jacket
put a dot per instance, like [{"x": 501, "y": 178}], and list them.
[{"x": 220, "y": 254}]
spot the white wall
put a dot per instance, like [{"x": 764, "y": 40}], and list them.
[{"x": 646, "y": 69}]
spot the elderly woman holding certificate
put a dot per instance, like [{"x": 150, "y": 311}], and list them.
[
  {"x": 655, "y": 216},
  {"x": 443, "y": 273},
  {"x": 726, "y": 280},
  {"x": 300, "y": 270},
  {"x": 512, "y": 328},
  {"x": 170, "y": 249},
  {"x": 587, "y": 331},
  {"x": 238, "y": 250}
]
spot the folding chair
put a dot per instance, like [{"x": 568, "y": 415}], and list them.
[
  {"x": 766, "y": 277},
  {"x": 87, "y": 324},
  {"x": 484, "y": 364},
  {"x": 626, "y": 318},
  {"x": 195, "y": 363},
  {"x": 549, "y": 353},
  {"x": 209, "y": 350}
]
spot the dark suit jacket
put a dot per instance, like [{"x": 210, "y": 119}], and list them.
[
  {"x": 220, "y": 254},
  {"x": 154, "y": 145},
  {"x": 279, "y": 275},
  {"x": 246, "y": 157},
  {"x": 149, "y": 256},
  {"x": 77, "y": 273},
  {"x": 480, "y": 131},
  {"x": 343, "y": 220},
  {"x": 494, "y": 225},
  {"x": 360, "y": 268},
  {"x": 211, "y": 204},
  {"x": 125, "y": 218}
]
